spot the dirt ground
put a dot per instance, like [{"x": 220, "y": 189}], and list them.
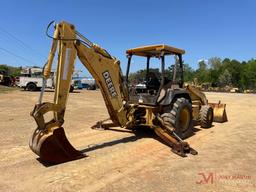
[{"x": 119, "y": 160}]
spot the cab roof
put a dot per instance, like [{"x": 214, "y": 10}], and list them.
[{"x": 154, "y": 50}]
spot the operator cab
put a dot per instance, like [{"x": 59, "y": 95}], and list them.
[{"x": 152, "y": 88}]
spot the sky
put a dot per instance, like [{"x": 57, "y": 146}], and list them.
[{"x": 204, "y": 28}]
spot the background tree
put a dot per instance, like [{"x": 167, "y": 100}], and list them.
[
  {"x": 248, "y": 75},
  {"x": 140, "y": 76},
  {"x": 202, "y": 74},
  {"x": 215, "y": 67},
  {"x": 234, "y": 67},
  {"x": 189, "y": 73},
  {"x": 9, "y": 70},
  {"x": 225, "y": 79}
]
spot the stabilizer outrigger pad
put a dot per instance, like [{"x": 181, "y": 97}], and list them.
[
  {"x": 180, "y": 148},
  {"x": 53, "y": 146}
]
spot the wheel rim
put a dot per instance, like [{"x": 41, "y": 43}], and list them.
[{"x": 184, "y": 119}]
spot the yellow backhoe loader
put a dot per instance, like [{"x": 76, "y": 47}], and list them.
[{"x": 165, "y": 106}]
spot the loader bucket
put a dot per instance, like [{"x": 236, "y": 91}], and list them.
[
  {"x": 53, "y": 146},
  {"x": 219, "y": 112}
]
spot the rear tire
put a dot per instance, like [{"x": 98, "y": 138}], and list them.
[
  {"x": 31, "y": 87},
  {"x": 206, "y": 116},
  {"x": 180, "y": 117}
]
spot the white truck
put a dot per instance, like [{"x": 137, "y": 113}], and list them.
[
  {"x": 31, "y": 79},
  {"x": 34, "y": 83}
]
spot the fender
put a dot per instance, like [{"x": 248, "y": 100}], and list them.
[{"x": 172, "y": 94}]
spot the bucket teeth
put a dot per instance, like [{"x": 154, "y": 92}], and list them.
[{"x": 53, "y": 146}]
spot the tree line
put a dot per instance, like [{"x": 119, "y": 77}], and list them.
[
  {"x": 214, "y": 72},
  {"x": 226, "y": 72}
]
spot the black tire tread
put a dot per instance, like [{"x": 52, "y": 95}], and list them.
[
  {"x": 203, "y": 116},
  {"x": 29, "y": 88}
]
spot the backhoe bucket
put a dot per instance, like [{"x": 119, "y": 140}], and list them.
[
  {"x": 219, "y": 112},
  {"x": 53, "y": 146}
]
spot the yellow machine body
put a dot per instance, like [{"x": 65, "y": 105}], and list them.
[{"x": 49, "y": 141}]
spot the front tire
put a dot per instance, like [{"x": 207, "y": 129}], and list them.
[{"x": 206, "y": 116}]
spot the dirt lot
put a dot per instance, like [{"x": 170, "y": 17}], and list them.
[{"x": 121, "y": 161}]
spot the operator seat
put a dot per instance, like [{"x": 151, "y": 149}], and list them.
[{"x": 153, "y": 82}]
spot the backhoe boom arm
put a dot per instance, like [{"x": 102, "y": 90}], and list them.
[{"x": 103, "y": 67}]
